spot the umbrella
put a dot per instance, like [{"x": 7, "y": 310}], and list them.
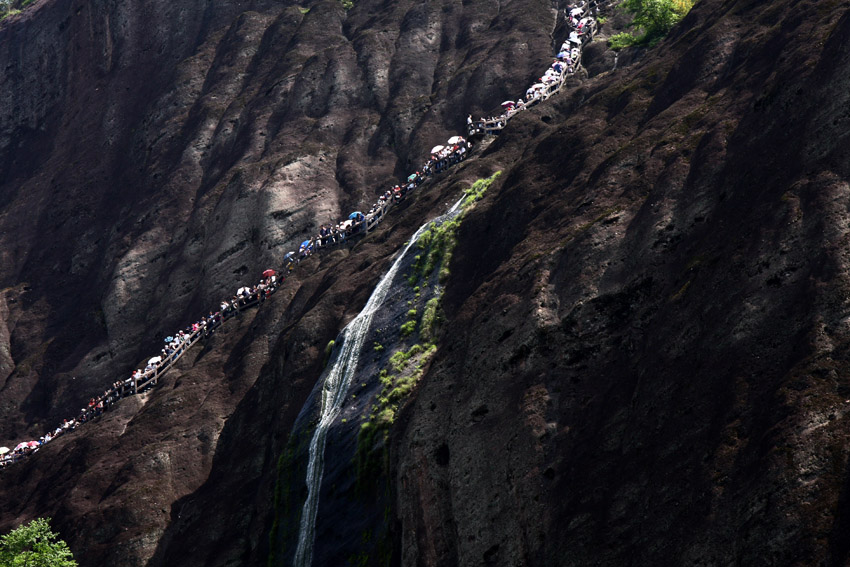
[
  {"x": 305, "y": 244},
  {"x": 289, "y": 255},
  {"x": 508, "y": 103},
  {"x": 436, "y": 149},
  {"x": 411, "y": 177},
  {"x": 577, "y": 12},
  {"x": 169, "y": 338},
  {"x": 4, "y": 450},
  {"x": 32, "y": 444},
  {"x": 21, "y": 446},
  {"x": 269, "y": 273},
  {"x": 562, "y": 55},
  {"x": 355, "y": 215},
  {"x": 455, "y": 139},
  {"x": 155, "y": 360}
]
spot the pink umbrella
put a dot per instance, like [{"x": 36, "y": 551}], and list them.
[{"x": 32, "y": 444}]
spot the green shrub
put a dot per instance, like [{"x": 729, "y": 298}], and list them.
[
  {"x": 654, "y": 18},
  {"x": 398, "y": 361},
  {"x": 430, "y": 320},
  {"x": 378, "y": 347},
  {"x": 385, "y": 417},
  {"x": 621, "y": 40},
  {"x": 408, "y": 328},
  {"x": 476, "y": 192},
  {"x": 35, "y": 545}
]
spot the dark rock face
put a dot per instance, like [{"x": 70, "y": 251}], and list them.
[
  {"x": 643, "y": 357},
  {"x": 157, "y": 156},
  {"x": 646, "y": 361}
]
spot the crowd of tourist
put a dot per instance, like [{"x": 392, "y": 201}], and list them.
[
  {"x": 456, "y": 149},
  {"x": 442, "y": 157},
  {"x": 566, "y": 62},
  {"x": 142, "y": 379}
]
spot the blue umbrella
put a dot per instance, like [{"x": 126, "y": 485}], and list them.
[
  {"x": 562, "y": 55},
  {"x": 355, "y": 215},
  {"x": 289, "y": 255},
  {"x": 305, "y": 244},
  {"x": 168, "y": 339},
  {"x": 411, "y": 177}
]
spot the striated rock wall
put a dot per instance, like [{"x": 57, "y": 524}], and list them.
[
  {"x": 157, "y": 156},
  {"x": 646, "y": 362},
  {"x": 643, "y": 356}
]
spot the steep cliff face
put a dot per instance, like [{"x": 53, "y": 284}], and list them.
[
  {"x": 153, "y": 156},
  {"x": 157, "y": 156},
  {"x": 646, "y": 362},
  {"x": 642, "y": 359}
]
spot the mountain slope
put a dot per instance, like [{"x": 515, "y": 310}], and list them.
[
  {"x": 642, "y": 360},
  {"x": 157, "y": 157},
  {"x": 646, "y": 355}
]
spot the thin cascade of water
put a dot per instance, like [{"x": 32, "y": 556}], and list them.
[{"x": 333, "y": 393}]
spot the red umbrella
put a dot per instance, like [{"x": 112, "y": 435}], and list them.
[{"x": 269, "y": 273}]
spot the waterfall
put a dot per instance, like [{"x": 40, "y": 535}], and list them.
[{"x": 333, "y": 393}]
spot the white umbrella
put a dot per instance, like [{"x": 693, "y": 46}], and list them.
[
  {"x": 4, "y": 450},
  {"x": 577, "y": 12},
  {"x": 455, "y": 139},
  {"x": 21, "y": 446},
  {"x": 436, "y": 149},
  {"x": 508, "y": 102},
  {"x": 155, "y": 360}
]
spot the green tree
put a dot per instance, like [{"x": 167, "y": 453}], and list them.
[
  {"x": 654, "y": 18},
  {"x": 34, "y": 545}
]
